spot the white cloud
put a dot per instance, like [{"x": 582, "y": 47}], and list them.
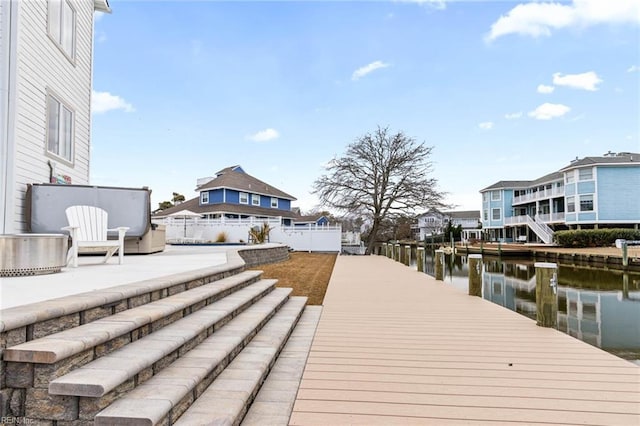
[
  {"x": 513, "y": 115},
  {"x": 362, "y": 71},
  {"x": 97, "y": 15},
  {"x": 538, "y": 19},
  {"x": 545, "y": 89},
  {"x": 264, "y": 135},
  {"x": 102, "y": 102},
  {"x": 486, "y": 125},
  {"x": 585, "y": 81},
  {"x": 633, "y": 68},
  {"x": 548, "y": 111}
]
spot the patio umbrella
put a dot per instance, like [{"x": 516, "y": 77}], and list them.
[{"x": 185, "y": 214}]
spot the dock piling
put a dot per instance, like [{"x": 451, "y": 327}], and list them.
[
  {"x": 439, "y": 265},
  {"x": 546, "y": 294},
  {"x": 475, "y": 275}
]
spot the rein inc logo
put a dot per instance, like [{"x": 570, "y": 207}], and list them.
[{"x": 10, "y": 420}]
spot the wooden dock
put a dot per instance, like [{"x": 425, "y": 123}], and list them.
[{"x": 396, "y": 347}]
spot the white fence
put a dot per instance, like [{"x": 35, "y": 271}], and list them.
[{"x": 299, "y": 238}]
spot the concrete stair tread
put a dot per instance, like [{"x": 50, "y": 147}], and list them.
[
  {"x": 226, "y": 400},
  {"x": 161, "y": 396},
  {"x": 274, "y": 403},
  {"x": 61, "y": 345},
  {"x": 102, "y": 375}
]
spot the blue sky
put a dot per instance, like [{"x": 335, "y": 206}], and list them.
[{"x": 501, "y": 90}]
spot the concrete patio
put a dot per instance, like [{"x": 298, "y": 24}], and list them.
[{"x": 92, "y": 274}]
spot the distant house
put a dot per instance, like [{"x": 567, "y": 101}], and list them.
[
  {"x": 592, "y": 192},
  {"x": 46, "y": 57},
  {"x": 234, "y": 194},
  {"x": 435, "y": 222},
  {"x": 309, "y": 220}
]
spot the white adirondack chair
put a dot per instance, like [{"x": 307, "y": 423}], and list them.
[{"x": 88, "y": 229}]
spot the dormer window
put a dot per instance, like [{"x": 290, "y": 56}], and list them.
[{"x": 204, "y": 197}]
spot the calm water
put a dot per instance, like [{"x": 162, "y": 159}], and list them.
[{"x": 598, "y": 306}]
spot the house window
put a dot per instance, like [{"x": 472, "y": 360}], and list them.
[
  {"x": 59, "y": 129},
  {"x": 62, "y": 23},
  {"x": 274, "y": 203},
  {"x": 244, "y": 198},
  {"x": 495, "y": 214},
  {"x": 569, "y": 177},
  {"x": 255, "y": 200},
  {"x": 204, "y": 197},
  {"x": 485, "y": 196},
  {"x": 485, "y": 215},
  {"x": 495, "y": 195},
  {"x": 586, "y": 203},
  {"x": 585, "y": 174},
  {"x": 571, "y": 204}
]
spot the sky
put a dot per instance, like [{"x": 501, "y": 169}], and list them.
[{"x": 503, "y": 90}]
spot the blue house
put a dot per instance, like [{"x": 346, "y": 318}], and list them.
[
  {"x": 592, "y": 192},
  {"x": 234, "y": 194}
]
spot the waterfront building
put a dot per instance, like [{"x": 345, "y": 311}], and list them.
[
  {"x": 435, "y": 222},
  {"x": 592, "y": 192}
]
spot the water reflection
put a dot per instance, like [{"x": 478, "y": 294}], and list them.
[{"x": 598, "y": 306}]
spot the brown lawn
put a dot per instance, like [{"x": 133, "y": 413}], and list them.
[{"x": 307, "y": 274}]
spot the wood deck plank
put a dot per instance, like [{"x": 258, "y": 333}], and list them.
[{"x": 396, "y": 347}]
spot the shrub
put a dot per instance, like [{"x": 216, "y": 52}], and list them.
[
  {"x": 594, "y": 237},
  {"x": 221, "y": 238},
  {"x": 260, "y": 234}
]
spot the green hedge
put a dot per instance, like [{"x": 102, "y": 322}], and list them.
[{"x": 594, "y": 237}]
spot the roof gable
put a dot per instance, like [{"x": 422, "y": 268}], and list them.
[{"x": 236, "y": 178}]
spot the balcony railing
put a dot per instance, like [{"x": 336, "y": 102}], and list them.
[
  {"x": 545, "y": 218},
  {"x": 539, "y": 195}
]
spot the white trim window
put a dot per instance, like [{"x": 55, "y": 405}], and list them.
[
  {"x": 571, "y": 204},
  {"x": 586, "y": 203},
  {"x": 585, "y": 174},
  {"x": 204, "y": 197},
  {"x": 485, "y": 215},
  {"x": 60, "y": 120},
  {"x": 255, "y": 200},
  {"x": 274, "y": 202},
  {"x": 62, "y": 26},
  {"x": 244, "y": 198},
  {"x": 570, "y": 176},
  {"x": 495, "y": 196},
  {"x": 496, "y": 214}
]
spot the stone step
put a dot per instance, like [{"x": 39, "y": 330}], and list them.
[
  {"x": 166, "y": 395},
  {"x": 274, "y": 403},
  {"x": 146, "y": 319},
  {"x": 103, "y": 375},
  {"x": 227, "y": 399}
]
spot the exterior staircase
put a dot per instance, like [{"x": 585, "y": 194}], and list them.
[
  {"x": 541, "y": 229},
  {"x": 193, "y": 348}
]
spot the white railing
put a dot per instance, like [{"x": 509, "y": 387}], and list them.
[
  {"x": 550, "y": 218},
  {"x": 539, "y": 195},
  {"x": 540, "y": 228}
]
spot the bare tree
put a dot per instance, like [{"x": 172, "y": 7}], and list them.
[{"x": 381, "y": 176}]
